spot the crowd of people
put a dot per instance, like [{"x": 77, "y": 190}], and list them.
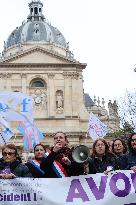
[{"x": 58, "y": 162}]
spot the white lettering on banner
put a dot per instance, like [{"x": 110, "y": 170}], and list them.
[{"x": 119, "y": 189}]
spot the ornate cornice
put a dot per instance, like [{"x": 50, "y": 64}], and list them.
[
  {"x": 5, "y": 75},
  {"x": 51, "y": 75},
  {"x": 34, "y": 66},
  {"x": 72, "y": 75}
]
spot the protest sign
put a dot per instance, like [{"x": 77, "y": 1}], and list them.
[{"x": 96, "y": 189}]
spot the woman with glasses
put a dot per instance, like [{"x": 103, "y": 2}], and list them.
[
  {"x": 10, "y": 166},
  {"x": 130, "y": 158},
  {"x": 119, "y": 148},
  {"x": 102, "y": 160}
]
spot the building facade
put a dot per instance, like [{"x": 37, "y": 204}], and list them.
[{"x": 37, "y": 61}]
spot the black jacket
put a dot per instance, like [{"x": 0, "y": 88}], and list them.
[
  {"x": 47, "y": 166},
  {"x": 99, "y": 166},
  {"x": 129, "y": 159},
  {"x": 17, "y": 168},
  {"x": 36, "y": 172},
  {"x": 74, "y": 169}
]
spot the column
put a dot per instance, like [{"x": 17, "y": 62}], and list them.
[
  {"x": 68, "y": 95},
  {"x": 2, "y": 81},
  {"x": 82, "y": 110},
  {"x": 51, "y": 93},
  {"x": 8, "y": 81},
  {"x": 24, "y": 82},
  {"x": 75, "y": 90}
]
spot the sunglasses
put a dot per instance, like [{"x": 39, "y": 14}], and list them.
[
  {"x": 8, "y": 153},
  {"x": 133, "y": 140}
]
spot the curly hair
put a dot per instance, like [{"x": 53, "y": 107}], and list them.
[
  {"x": 10, "y": 146},
  {"x": 105, "y": 143},
  {"x": 129, "y": 141},
  {"x": 123, "y": 143}
]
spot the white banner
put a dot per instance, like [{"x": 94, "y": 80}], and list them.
[
  {"x": 98, "y": 189},
  {"x": 16, "y": 106}
]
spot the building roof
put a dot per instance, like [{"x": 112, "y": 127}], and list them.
[
  {"x": 35, "y": 29},
  {"x": 88, "y": 101}
]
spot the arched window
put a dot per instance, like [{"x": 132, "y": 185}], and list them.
[
  {"x": 35, "y": 10},
  {"x": 31, "y": 10},
  {"x": 38, "y": 83}
]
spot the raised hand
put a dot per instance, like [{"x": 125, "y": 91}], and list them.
[
  {"x": 7, "y": 176},
  {"x": 57, "y": 147},
  {"x": 66, "y": 160}
]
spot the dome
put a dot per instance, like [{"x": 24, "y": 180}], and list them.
[{"x": 36, "y": 29}]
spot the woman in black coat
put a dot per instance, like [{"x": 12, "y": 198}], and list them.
[
  {"x": 119, "y": 148},
  {"x": 102, "y": 160},
  {"x": 10, "y": 165},
  {"x": 34, "y": 164},
  {"x": 130, "y": 157},
  {"x": 58, "y": 162}
]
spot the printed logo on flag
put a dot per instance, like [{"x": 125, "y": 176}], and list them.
[{"x": 96, "y": 128}]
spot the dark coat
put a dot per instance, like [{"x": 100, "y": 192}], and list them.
[
  {"x": 99, "y": 166},
  {"x": 122, "y": 161},
  {"x": 17, "y": 168},
  {"x": 36, "y": 172},
  {"x": 129, "y": 159},
  {"x": 47, "y": 164}
]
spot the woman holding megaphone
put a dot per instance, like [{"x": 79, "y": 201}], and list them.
[{"x": 59, "y": 162}]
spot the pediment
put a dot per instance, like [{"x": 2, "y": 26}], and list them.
[{"x": 37, "y": 55}]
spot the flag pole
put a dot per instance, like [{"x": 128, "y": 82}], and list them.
[{"x": 3, "y": 138}]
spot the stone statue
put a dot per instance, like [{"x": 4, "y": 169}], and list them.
[
  {"x": 59, "y": 100},
  {"x": 113, "y": 108},
  {"x": 98, "y": 101},
  {"x": 103, "y": 102},
  {"x": 111, "y": 111},
  {"x": 95, "y": 100},
  {"x": 67, "y": 46},
  {"x": 44, "y": 100},
  {"x": 4, "y": 45}
]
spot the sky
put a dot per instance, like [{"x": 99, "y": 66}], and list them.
[{"x": 101, "y": 33}]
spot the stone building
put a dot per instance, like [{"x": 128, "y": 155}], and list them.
[{"x": 36, "y": 60}]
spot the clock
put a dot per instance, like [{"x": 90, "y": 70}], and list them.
[{"x": 38, "y": 100}]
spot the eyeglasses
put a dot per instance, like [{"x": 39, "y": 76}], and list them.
[
  {"x": 8, "y": 153},
  {"x": 100, "y": 145},
  {"x": 133, "y": 140}
]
